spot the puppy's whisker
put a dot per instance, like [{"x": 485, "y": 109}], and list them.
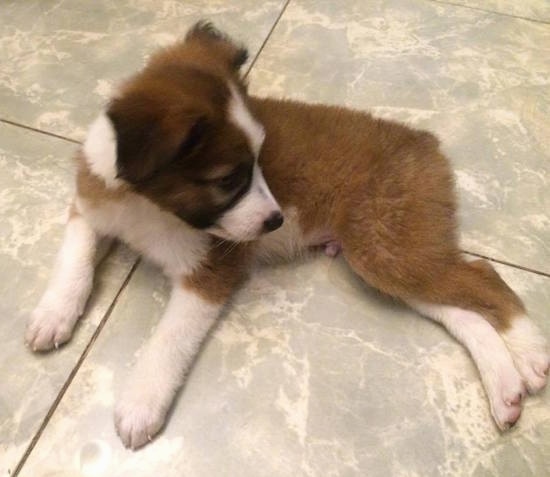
[
  {"x": 232, "y": 246},
  {"x": 219, "y": 242}
]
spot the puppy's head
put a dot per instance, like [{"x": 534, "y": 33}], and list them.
[{"x": 181, "y": 133}]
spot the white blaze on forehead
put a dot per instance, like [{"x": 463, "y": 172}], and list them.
[
  {"x": 241, "y": 117},
  {"x": 100, "y": 150}
]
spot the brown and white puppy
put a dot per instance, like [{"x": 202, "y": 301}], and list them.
[{"x": 196, "y": 175}]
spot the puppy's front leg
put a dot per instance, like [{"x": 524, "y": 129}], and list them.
[
  {"x": 146, "y": 398},
  {"x": 52, "y": 321},
  {"x": 193, "y": 308}
]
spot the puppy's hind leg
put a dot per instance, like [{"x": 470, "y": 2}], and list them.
[
  {"x": 503, "y": 384},
  {"x": 526, "y": 343},
  {"x": 490, "y": 320},
  {"x": 471, "y": 307},
  {"x": 399, "y": 235},
  {"x": 52, "y": 321}
]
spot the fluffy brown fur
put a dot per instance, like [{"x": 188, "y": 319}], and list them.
[{"x": 385, "y": 191}]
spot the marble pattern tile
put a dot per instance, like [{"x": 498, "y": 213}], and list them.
[
  {"x": 63, "y": 57},
  {"x": 533, "y": 9},
  {"x": 309, "y": 373},
  {"x": 35, "y": 189},
  {"x": 481, "y": 81}
]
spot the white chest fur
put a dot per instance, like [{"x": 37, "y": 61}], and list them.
[{"x": 158, "y": 235}]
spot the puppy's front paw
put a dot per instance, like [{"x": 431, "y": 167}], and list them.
[
  {"x": 138, "y": 420},
  {"x": 50, "y": 326}
]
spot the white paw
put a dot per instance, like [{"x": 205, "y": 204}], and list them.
[
  {"x": 506, "y": 402},
  {"x": 138, "y": 419},
  {"x": 50, "y": 325},
  {"x": 529, "y": 350},
  {"x": 533, "y": 366}
]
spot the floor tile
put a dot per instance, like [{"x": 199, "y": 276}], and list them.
[
  {"x": 478, "y": 80},
  {"x": 64, "y": 56},
  {"x": 308, "y": 373},
  {"x": 35, "y": 184},
  {"x": 532, "y": 9}
]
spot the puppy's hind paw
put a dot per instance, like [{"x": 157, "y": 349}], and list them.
[
  {"x": 530, "y": 352},
  {"x": 506, "y": 409}
]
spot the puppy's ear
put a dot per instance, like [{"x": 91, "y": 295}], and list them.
[
  {"x": 146, "y": 142},
  {"x": 205, "y": 32},
  {"x": 194, "y": 137}
]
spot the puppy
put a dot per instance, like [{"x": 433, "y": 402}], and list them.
[{"x": 205, "y": 180}]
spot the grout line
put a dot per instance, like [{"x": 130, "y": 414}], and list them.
[
  {"x": 266, "y": 38},
  {"x": 72, "y": 374},
  {"x": 40, "y": 131},
  {"x": 111, "y": 307},
  {"x": 504, "y": 14},
  {"x": 509, "y": 264}
]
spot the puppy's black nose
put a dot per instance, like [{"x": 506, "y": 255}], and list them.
[{"x": 273, "y": 222}]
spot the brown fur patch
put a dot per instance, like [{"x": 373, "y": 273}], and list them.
[
  {"x": 386, "y": 192},
  {"x": 172, "y": 127},
  {"x": 225, "y": 268}
]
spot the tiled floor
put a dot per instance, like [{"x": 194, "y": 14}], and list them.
[{"x": 308, "y": 373}]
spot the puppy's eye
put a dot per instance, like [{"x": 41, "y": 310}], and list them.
[
  {"x": 237, "y": 178},
  {"x": 232, "y": 180}
]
